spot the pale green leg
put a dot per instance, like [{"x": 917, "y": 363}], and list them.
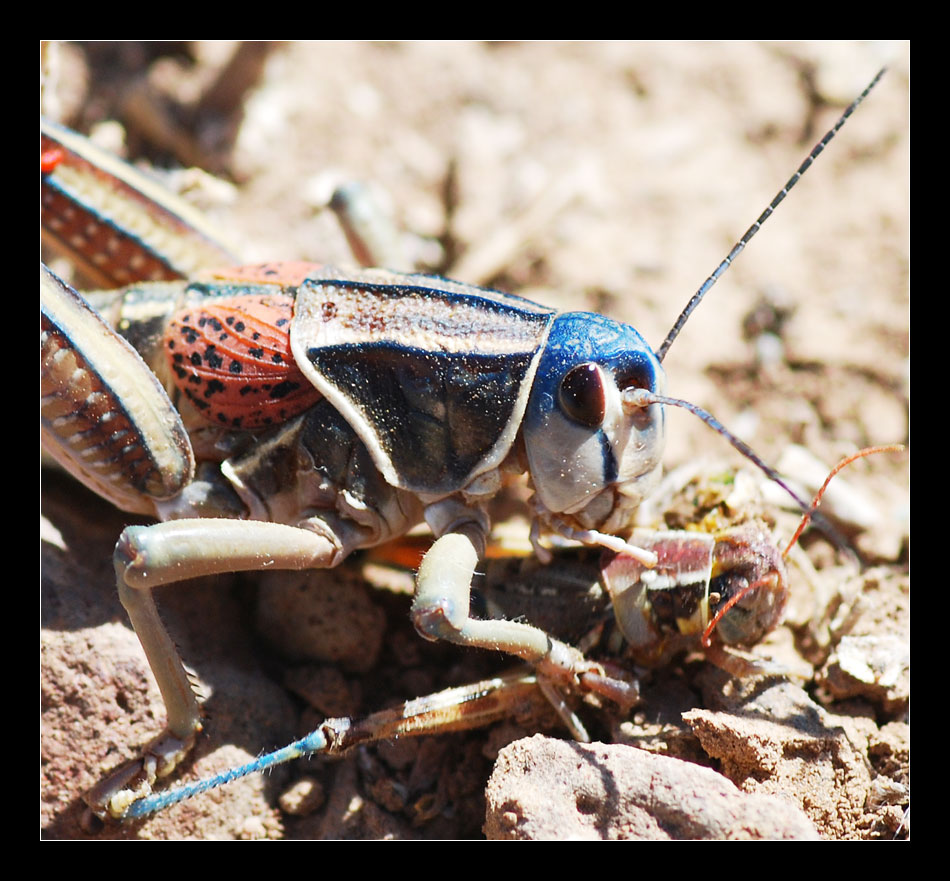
[{"x": 149, "y": 556}]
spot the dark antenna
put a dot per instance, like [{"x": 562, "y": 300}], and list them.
[
  {"x": 635, "y": 398},
  {"x": 752, "y": 230}
]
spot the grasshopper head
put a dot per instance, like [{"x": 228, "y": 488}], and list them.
[{"x": 592, "y": 455}]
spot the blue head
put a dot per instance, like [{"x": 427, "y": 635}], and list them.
[{"x": 592, "y": 456}]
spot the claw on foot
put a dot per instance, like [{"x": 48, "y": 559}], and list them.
[
  {"x": 134, "y": 779},
  {"x": 567, "y": 668}
]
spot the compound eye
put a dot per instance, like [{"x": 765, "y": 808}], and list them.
[
  {"x": 582, "y": 396},
  {"x": 634, "y": 377}
]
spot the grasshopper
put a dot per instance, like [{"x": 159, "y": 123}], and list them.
[{"x": 674, "y": 349}]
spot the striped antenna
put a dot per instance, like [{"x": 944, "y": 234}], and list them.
[{"x": 752, "y": 230}]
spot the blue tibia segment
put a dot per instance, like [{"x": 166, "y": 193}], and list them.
[{"x": 314, "y": 742}]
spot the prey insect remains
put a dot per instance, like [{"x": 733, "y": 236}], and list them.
[{"x": 391, "y": 408}]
